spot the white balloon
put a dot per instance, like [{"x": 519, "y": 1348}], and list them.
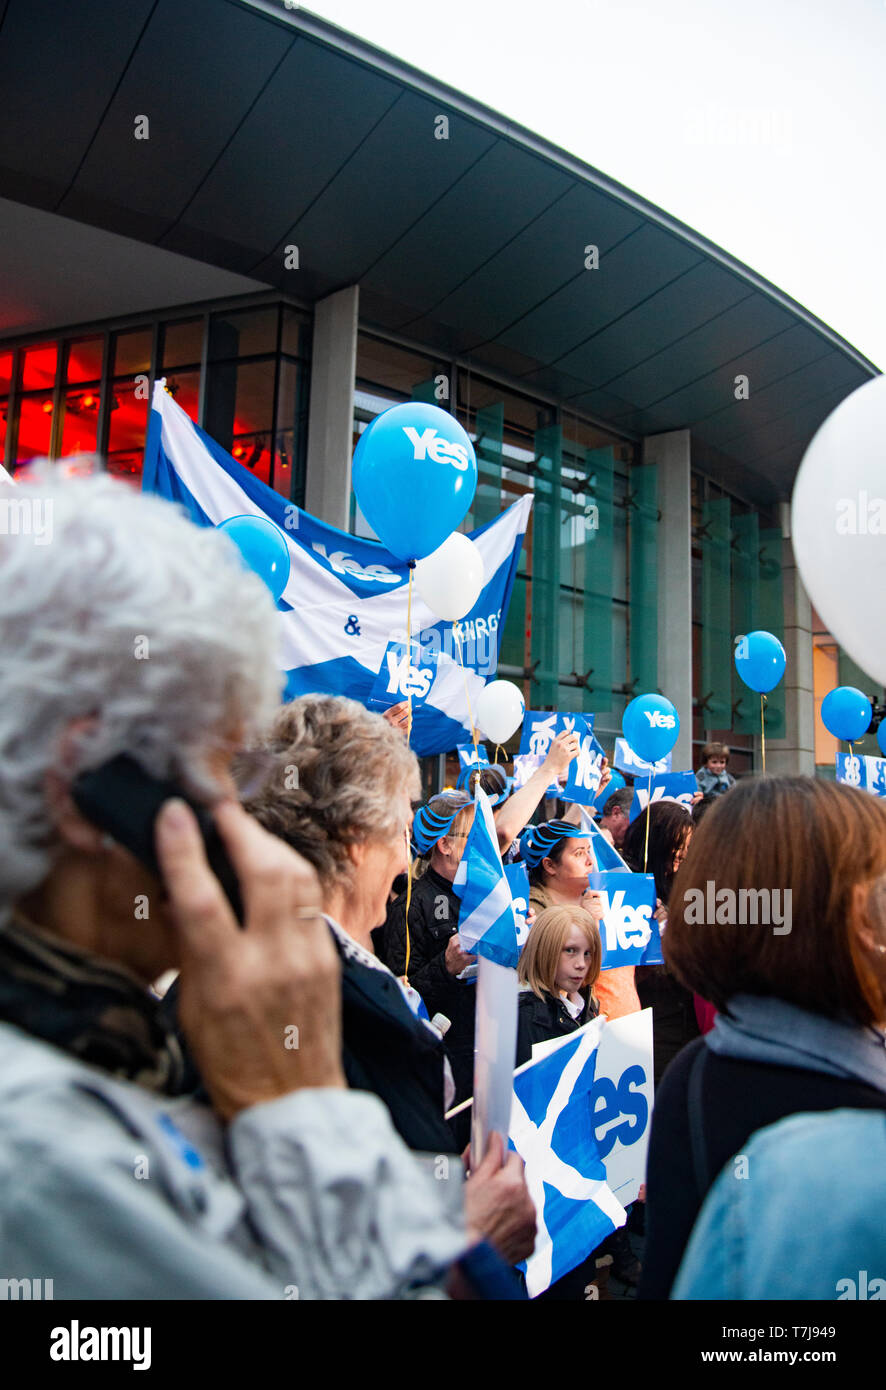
[
  {"x": 451, "y": 577},
  {"x": 499, "y": 710},
  {"x": 838, "y": 525}
]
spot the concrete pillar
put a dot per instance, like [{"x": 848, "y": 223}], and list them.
[
  {"x": 331, "y": 408},
  {"x": 671, "y": 455},
  {"x": 795, "y": 753}
]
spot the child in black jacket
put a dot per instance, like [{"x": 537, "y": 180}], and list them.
[{"x": 558, "y": 969}]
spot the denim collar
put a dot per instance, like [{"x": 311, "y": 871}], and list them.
[{"x": 764, "y": 1029}]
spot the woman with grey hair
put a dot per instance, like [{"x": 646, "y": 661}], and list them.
[
  {"x": 134, "y": 632},
  {"x": 340, "y": 794}
]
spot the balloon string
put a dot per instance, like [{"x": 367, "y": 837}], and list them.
[
  {"x": 497, "y": 751},
  {"x": 457, "y": 637},
  {"x": 763, "y": 730},
  {"x": 648, "y": 819},
  {"x": 408, "y": 736}
]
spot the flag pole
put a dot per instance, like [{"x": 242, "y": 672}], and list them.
[
  {"x": 648, "y": 818},
  {"x": 464, "y": 674},
  {"x": 408, "y": 737}
]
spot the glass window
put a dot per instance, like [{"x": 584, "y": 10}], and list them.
[
  {"x": 126, "y": 434},
  {"x": 79, "y": 422},
  {"x": 38, "y": 367},
  {"x": 240, "y": 410},
  {"x": 85, "y": 359},
  {"x": 292, "y": 415},
  {"x": 184, "y": 387},
  {"x": 295, "y": 338},
  {"x": 34, "y": 427},
  {"x": 132, "y": 352},
  {"x": 247, "y": 333},
  {"x": 4, "y": 428},
  {"x": 396, "y": 371},
  {"x": 5, "y": 373},
  {"x": 182, "y": 343}
]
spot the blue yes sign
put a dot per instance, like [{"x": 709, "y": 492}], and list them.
[
  {"x": 628, "y": 931},
  {"x": 619, "y": 1099},
  {"x": 405, "y": 672},
  {"x": 673, "y": 786}
]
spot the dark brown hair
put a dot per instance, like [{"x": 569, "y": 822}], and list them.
[
  {"x": 824, "y": 843},
  {"x": 669, "y": 825},
  {"x": 714, "y": 750}
]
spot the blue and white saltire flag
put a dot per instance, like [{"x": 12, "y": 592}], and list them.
[
  {"x": 626, "y": 760},
  {"x": 552, "y": 1130},
  {"x": 673, "y": 786},
  {"x": 346, "y": 597},
  {"x": 865, "y": 772},
  {"x": 629, "y": 931},
  {"x": 486, "y": 920},
  {"x": 517, "y": 876}
]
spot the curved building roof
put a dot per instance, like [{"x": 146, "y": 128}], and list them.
[{"x": 270, "y": 128}]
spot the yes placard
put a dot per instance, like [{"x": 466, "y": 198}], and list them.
[
  {"x": 629, "y": 931},
  {"x": 676, "y": 786},
  {"x": 404, "y": 672}
]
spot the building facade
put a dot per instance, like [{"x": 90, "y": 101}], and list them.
[{"x": 653, "y": 395}]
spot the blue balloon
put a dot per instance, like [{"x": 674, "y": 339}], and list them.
[
  {"x": 846, "y": 713},
  {"x": 615, "y": 782},
  {"x": 651, "y": 725},
  {"x": 881, "y": 737},
  {"x": 415, "y": 475},
  {"x": 263, "y": 548},
  {"x": 760, "y": 661}
]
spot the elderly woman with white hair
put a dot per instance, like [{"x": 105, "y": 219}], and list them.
[{"x": 135, "y": 632}]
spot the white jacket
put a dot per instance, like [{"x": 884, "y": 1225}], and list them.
[{"x": 112, "y": 1191}]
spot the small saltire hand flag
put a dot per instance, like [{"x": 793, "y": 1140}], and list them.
[
  {"x": 486, "y": 922},
  {"x": 551, "y": 1129}
]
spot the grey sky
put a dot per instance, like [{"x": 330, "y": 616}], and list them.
[{"x": 760, "y": 123}]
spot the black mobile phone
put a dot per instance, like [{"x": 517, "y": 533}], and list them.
[{"x": 124, "y": 801}]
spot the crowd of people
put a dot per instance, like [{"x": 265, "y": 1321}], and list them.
[{"x": 274, "y": 1123}]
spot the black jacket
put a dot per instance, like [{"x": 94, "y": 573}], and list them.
[
  {"x": 433, "y": 919},
  {"x": 735, "y": 1099},
  {"x": 385, "y": 1050},
  {"x": 674, "y": 1022},
  {"x": 540, "y": 1019}
]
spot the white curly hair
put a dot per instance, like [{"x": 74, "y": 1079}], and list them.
[{"x": 135, "y": 620}]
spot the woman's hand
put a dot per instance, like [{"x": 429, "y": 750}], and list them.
[
  {"x": 560, "y": 754},
  {"x": 605, "y": 778},
  {"x": 398, "y": 717},
  {"x": 592, "y": 902},
  {"x": 498, "y": 1206},
  {"x": 455, "y": 959},
  {"x": 261, "y": 1006}
]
